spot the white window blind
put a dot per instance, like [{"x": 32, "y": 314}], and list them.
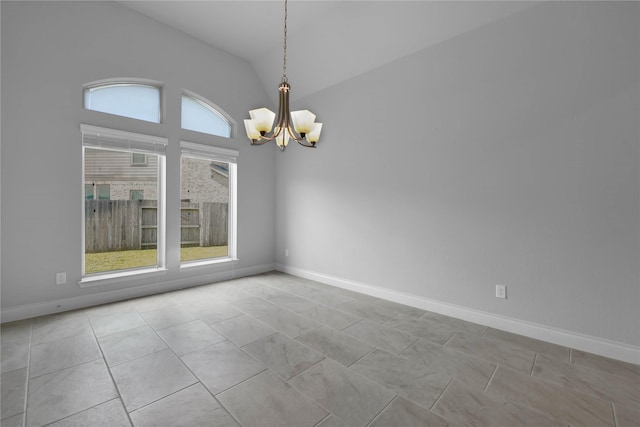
[
  {"x": 207, "y": 152},
  {"x": 97, "y": 137}
]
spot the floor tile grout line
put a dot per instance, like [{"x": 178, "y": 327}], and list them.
[
  {"x": 27, "y": 379},
  {"x": 86, "y": 409},
  {"x": 315, "y": 402},
  {"x": 124, "y": 330},
  {"x": 615, "y": 415},
  {"x": 302, "y": 372},
  {"x": 68, "y": 367},
  {"x": 243, "y": 381},
  {"x": 493, "y": 374},
  {"x": 377, "y": 347},
  {"x": 113, "y": 381},
  {"x": 354, "y": 323},
  {"x": 259, "y": 321},
  {"x": 360, "y": 358},
  {"x": 409, "y": 346},
  {"x": 163, "y": 397},
  {"x": 284, "y": 335},
  {"x": 533, "y": 365},
  {"x": 119, "y": 332},
  {"x": 383, "y": 409},
  {"x": 451, "y": 337},
  {"x": 323, "y": 420},
  {"x": 280, "y": 376},
  {"x": 55, "y": 339},
  {"x": 240, "y": 313},
  {"x": 233, "y": 417},
  {"x": 441, "y": 394},
  {"x": 141, "y": 356},
  {"x": 268, "y": 314}
]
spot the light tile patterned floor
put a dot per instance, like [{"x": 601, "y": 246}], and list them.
[{"x": 277, "y": 350}]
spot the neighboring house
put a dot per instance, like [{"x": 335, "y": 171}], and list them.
[
  {"x": 204, "y": 181},
  {"x": 114, "y": 175}
]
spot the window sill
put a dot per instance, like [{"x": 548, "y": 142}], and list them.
[
  {"x": 106, "y": 278},
  {"x": 207, "y": 262}
]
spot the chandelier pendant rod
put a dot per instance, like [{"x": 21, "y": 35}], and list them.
[{"x": 284, "y": 46}]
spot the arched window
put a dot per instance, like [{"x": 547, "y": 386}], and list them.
[
  {"x": 124, "y": 183},
  {"x": 135, "y": 100},
  {"x": 202, "y": 116}
]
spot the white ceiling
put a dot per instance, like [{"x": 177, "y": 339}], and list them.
[{"x": 328, "y": 41}]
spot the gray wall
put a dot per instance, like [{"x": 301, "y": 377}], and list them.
[
  {"x": 508, "y": 155},
  {"x": 49, "y": 50}
]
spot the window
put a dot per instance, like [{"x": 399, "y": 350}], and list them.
[
  {"x": 138, "y": 159},
  {"x": 88, "y": 191},
  {"x": 104, "y": 191},
  {"x": 124, "y": 207},
  {"x": 207, "y": 193},
  {"x": 122, "y": 232},
  {"x": 134, "y": 100},
  {"x": 202, "y": 116}
]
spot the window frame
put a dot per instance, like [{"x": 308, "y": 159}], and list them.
[
  {"x": 101, "y": 193},
  {"x": 132, "y": 192},
  {"x": 211, "y": 106},
  {"x": 117, "y": 140},
  {"x": 127, "y": 82},
  {"x": 222, "y": 155},
  {"x": 144, "y": 163}
]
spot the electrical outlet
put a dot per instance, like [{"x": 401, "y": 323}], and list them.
[
  {"x": 286, "y": 252},
  {"x": 61, "y": 278},
  {"x": 501, "y": 291}
]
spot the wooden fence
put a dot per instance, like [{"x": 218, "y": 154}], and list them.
[
  {"x": 118, "y": 225},
  {"x": 204, "y": 224}
]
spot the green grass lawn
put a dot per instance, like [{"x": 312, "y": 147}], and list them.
[{"x": 122, "y": 260}]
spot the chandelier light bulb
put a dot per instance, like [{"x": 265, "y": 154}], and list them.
[
  {"x": 252, "y": 132},
  {"x": 314, "y": 135},
  {"x": 263, "y": 119},
  {"x": 302, "y": 121}
]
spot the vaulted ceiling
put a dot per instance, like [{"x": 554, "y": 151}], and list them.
[{"x": 328, "y": 41}]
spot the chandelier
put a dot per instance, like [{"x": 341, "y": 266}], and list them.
[{"x": 300, "y": 126}]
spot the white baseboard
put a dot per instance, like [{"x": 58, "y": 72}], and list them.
[
  {"x": 603, "y": 347},
  {"x": 9, "y": 314}
]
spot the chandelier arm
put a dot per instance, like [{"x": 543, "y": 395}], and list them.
[
  {"x": 304, "y": 144},
  {"x": 294, "y": 135},
  {"x": 260, "y": 141}
]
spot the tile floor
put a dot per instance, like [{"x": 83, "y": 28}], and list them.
[{"x": 277, "y": 350}]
